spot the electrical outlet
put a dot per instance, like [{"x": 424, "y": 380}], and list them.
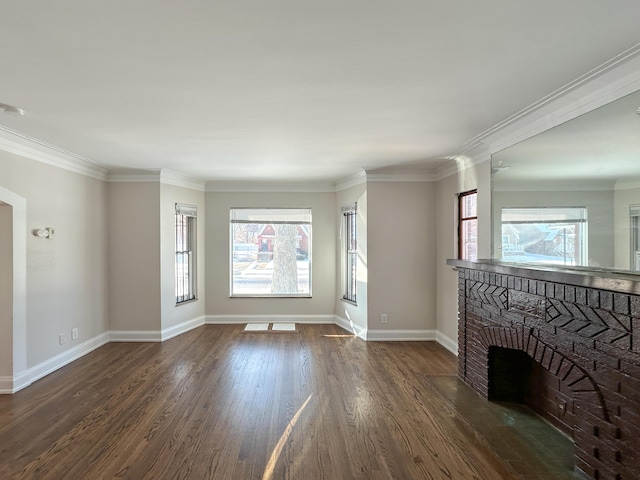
[
  {"x": 383, "y": 318},
  {"x": 74, "y": 334},
  {"x": 62, "y": 338}
]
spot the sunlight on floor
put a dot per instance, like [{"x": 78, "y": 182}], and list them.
[{"x": 277, "y": 450}]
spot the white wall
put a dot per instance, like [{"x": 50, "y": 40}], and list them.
[
  {"x": 65, "y": 277},
  {"x": 447, "y": 278},
  {"x": 623, "y": 199},
  {"x": 173, "y": 314},
  {"x": 354, "y": 315},
  {"x": 134, "y": 256},
  {"x": 6, "y": 290},
  {"x": 219, "y": 305},
  {"x": 469, "y": 177},
  {"x": 479, "y": 177},
  {"x": 401, "y": 255},
  {"x": 13, "y": 330}
]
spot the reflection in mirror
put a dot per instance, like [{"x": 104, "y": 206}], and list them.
[{"x": 571, "y": 195}]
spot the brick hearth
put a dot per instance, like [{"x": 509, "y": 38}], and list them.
[{"x": 578, "y": 328}]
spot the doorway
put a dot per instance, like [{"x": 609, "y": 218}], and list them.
[
  {"x": 6, "y": 290},
  {"x": 13, "y": 298}
]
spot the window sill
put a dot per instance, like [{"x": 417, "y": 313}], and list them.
[
  {"x": 191, "y": 300},
  {"x": 264, "y": 295},
  {"x": 351, "y": 302}
]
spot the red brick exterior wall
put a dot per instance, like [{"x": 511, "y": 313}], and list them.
[{"x": 587, "y": 362}]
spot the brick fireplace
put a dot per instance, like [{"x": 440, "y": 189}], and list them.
[{"x": 561, "y": 342}]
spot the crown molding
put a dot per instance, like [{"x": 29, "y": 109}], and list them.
[
  {"x": 627, "y": 184},
  {"x": 170, "y": 177},
  {"x": 134, "y": 176},
  {"x": 461, "y": 162},
  {"x": 401, "y": 177},
  {"x": 28, "y": 147},
  {"x": 611, "y": 80},
  {"x": 268, "y": 187},
  {"x": 155, "y": 175},
  {"x": 584, "y": 185},
  {"x": 357, "y": 178}
]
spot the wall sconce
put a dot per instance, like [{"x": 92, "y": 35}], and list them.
[{"x": 44, "y": 232}]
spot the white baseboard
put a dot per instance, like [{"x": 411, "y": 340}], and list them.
[
  {"x": 400, "y": 335},
  {"x": 351, "y": 327},
  {"x": 135, "y": 335},
  {"x": 156, "y": 335},
  {"x": 6, "y": 385},
  {"x": 22, "y": 380},
  {"x": 181, "y": 328},
  {"x": 26, "y": 378},
  {"x": 447, "y": 343},
  {"x": 240, "y": 319},
  {"x": 10, "y": 385}
]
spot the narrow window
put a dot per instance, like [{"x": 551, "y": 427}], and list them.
[
  {"x": 270, "y": 252},
  {"x": 634, "y": 217},
  {"x": 552, "y": 235},
  {"x": 468, "y": 225},
  {"x": 349, "y": 214},
  {"x": 186, "y": 216}
]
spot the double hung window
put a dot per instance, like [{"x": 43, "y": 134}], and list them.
[
  {"x": 468, "y": 225},
  {"x": 185, "y": 268},
  {"x": 634, "y": 218},
  {"x": 350, "y": 245}
]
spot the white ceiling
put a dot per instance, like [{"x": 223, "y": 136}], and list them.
[{"x": 290, "y": 90}]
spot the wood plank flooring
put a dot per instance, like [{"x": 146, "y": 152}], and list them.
[{"x": 220, "y": 403}]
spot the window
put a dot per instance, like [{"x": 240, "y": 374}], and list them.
[
  {"x": 552, "y": 235},
  {"x": 271, "y": 252},
  {"x": 349, "y": 214},
  {"x": 634, "y": 217},
  {"x": 468, "y": 225},
  {"x": 185, "y": 252}
]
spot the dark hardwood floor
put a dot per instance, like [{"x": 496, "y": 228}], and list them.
[{"x": 219, "y": 403}]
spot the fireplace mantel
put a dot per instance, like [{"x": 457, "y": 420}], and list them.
[
  {"x": 602, "y": 279},
  {"x": 577, "y": 326}
]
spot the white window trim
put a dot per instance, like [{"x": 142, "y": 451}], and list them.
[
  {"x": 188, "y": 222},
  {"x": 270, "y": 215},
  {"x": 349, "y": 255},
  {"x": 464, "y": 220},
  {"x": 555, "y": 218}
]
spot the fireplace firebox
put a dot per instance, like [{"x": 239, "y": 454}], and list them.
[{"x": 509, "y": 374}]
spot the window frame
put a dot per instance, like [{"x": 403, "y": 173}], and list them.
[
  {"x": 634, "y": 228},
  {"x": 186, "y": 286},
  {"x": 465, "y": 219},
  {"x": 580, "y": 220},
  {"x": 264, "y": 212},
  {"x": 350, "y": 252}
]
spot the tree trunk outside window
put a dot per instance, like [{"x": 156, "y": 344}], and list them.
[{"x": 285, "y": 267}]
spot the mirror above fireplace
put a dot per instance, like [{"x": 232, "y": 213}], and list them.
[{"x": 570, "y": 196}]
